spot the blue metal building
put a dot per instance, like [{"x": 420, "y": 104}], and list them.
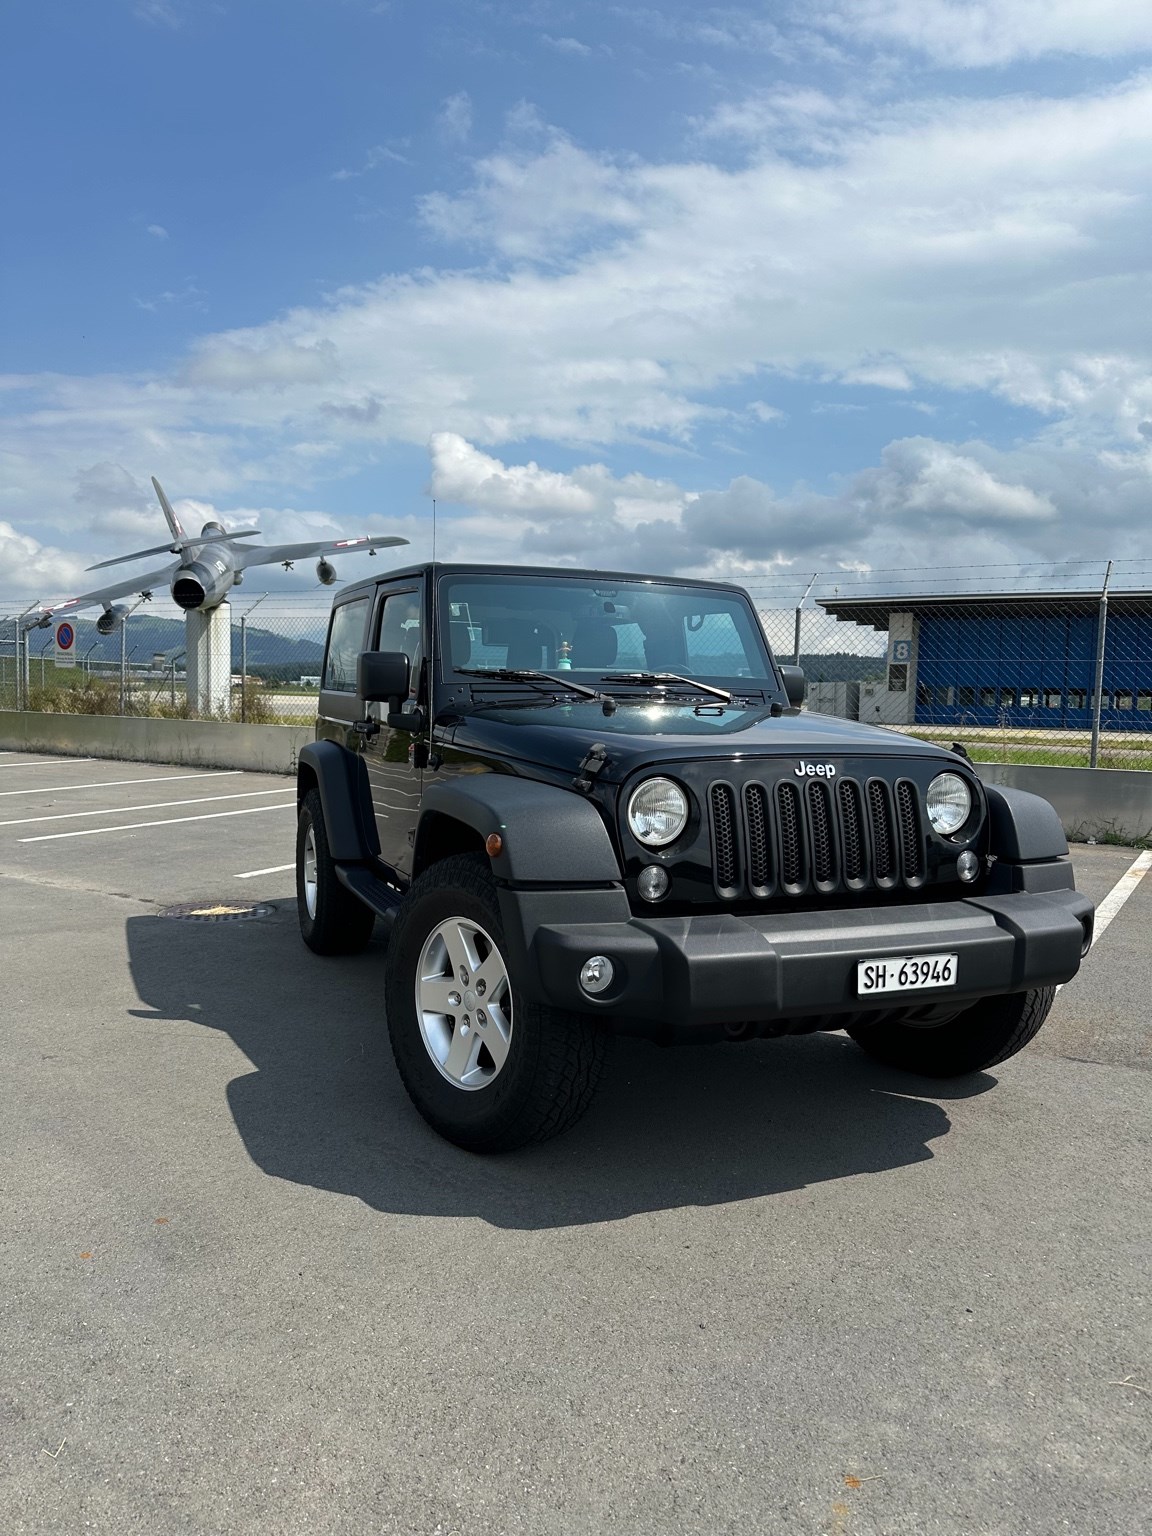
[{"x": 1025, "y": 659}]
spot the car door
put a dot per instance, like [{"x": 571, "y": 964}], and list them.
[{"x": 392, "y": 757}]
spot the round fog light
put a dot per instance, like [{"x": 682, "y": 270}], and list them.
[
  {"x": 596, "y": 974},
  {"x": 653, "y": 882},
  {"x": 968, "y": 865}
]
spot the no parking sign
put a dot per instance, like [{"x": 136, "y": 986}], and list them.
[{"x": 65, "y": 644}]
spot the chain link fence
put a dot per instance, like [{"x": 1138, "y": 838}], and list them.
[
  {"x": 1039, "y": 664},
  {"x": 140, "y": 668},
  {"x": 1046, "y": 664}
]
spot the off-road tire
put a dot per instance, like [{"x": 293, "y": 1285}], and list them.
[
  {"x": 340, "y": 925},
  {"x": 554, "y": 1058},
  {"x": 982, "y": 1036}
]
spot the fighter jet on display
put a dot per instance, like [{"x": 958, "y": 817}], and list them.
[{"x": 208, "y": 565}]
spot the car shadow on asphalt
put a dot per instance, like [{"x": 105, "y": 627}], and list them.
[{"x": 693, "y": 1125}]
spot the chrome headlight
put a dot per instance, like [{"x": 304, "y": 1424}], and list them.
[
  {"x": 657, "y": 812},
  {"x": 949, "y": 803}
]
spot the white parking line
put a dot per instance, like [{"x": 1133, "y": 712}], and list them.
[
  {"x": 164, "y": 778},
  {"x": 157, "y": 805},
  {"x": 275, "y": 869},
  {"x": 1120, "y": 892},
  {"x": 48, "y": 762},
  {"x": 172, "y": 821}
]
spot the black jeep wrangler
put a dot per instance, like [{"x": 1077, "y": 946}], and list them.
[{"x": 589, "y": 803}]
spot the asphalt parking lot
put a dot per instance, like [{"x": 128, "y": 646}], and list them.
[{"x": 767, "y": 1288}]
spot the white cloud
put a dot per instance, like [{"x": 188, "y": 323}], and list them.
[
  {"x": 784, "y": 114},
  {"x": 759, "y": 410},
  {"x": 932, "y": 486},
  {"x": 995, "y": 246},
  {"x": 188, "y": 297},
  {"x": 925, "y": 503},
  {"x": 159, "y": 13},
  {"x": 461, "y": 472},
  {"x": 880, "y": 375},
  {"x": 1017, "y": 264},
  {"x": 374, "y": 158},
  {"x": 981, "y": 32},
  {"x": 157, "y": 231},
  {"x": 455, "y": 117},
  {"x": 569, "y": 45},
  {"x": 32, "y": 569},
  {"x": 533, "y": 204}
]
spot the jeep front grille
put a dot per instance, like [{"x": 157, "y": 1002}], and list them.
[
  {"x": 908, "y": 806},
  {"x": 852, "y": 833},
  {"x": 725, "y": 867},
  {"x": 815, "y": 837}
]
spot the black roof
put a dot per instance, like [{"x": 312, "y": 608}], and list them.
[
  {"x": 553, "y": 572},
  {"x": 877, "y": 611}
]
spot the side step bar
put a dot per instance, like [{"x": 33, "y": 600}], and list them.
[{"x": 371, "y": 890}]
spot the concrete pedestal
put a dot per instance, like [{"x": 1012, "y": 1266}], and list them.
[{"x": 208, "y": 642}]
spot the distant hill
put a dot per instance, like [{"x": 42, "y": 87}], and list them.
[{"x": 841, "y": 667}]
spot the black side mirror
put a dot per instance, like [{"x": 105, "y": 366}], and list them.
[
  {"x": 382, "y": 675},
  {"x": 795, "y": 685},
  {"x": 386, "y": 676}
]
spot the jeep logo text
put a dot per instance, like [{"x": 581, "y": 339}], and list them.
[{"x": 815, "y": 771}]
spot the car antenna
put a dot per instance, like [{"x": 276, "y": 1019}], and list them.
[{"x": 432, "y": 625}]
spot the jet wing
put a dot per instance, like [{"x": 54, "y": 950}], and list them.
[
  {"x": 178, "y": 546},
  {"x": 275, "y": 553},
  {"x": 137, "y": 584}
]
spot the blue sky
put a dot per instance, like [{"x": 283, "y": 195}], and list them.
[{"x": 742, "y": 289}]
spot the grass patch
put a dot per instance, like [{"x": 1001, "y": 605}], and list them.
[
  {"x": 79, "y": 693},
  {"x": 1044, "y": 754}
]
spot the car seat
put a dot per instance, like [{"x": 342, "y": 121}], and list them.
[{"x": 594, "y": 643}]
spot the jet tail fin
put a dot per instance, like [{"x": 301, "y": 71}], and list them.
[{"x": 174, "y": 527}]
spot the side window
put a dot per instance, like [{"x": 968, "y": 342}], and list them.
[
  {"x": 400, "y": 628},
  {"x": 345, "y": 642}
]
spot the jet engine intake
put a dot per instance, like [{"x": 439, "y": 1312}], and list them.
[
  {"x": 204, "y": 584},
  {"x": 325, "y": 571},
  {"x": 111, "y": 619}
]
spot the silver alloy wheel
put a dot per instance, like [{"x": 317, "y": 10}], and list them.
[
  {"x": 310, "y": 871},
  {"x": 464, "y": 1003}
]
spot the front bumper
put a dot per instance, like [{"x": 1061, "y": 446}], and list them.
[{"x": 688, "y": 976}]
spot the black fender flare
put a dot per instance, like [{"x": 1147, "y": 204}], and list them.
[
  {"x": 550, "y": 836},
  {"x": 346, "y": 797},
  {"x": 1023, "y": 827}
]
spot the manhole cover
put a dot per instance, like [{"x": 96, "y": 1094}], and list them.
[{"x": 216, "y": 912}]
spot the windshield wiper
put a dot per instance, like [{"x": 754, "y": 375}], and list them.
[
  {"x": 667, "y": 677},
  {"x": 528, "y": 675}
]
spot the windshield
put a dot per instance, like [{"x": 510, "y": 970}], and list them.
[{"x": 600, "y": 629}]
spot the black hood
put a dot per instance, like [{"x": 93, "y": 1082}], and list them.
[{"x": 557, "y": 736}]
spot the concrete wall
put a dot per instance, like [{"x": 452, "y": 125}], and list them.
[
  {"x": 1091, "y": 802},
  {"x": 186, "y": 743}
]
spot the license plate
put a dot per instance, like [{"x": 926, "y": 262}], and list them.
[{"x": 905, "y": 973}]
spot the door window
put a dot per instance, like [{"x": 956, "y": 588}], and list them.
[
  {"x": 345, "y": 642},
  {"x": 400, "y": 626}
]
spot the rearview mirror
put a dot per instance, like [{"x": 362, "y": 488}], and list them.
[
  {"x": 795, "y": 685},
  {"x": 383, "y": 675}
]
